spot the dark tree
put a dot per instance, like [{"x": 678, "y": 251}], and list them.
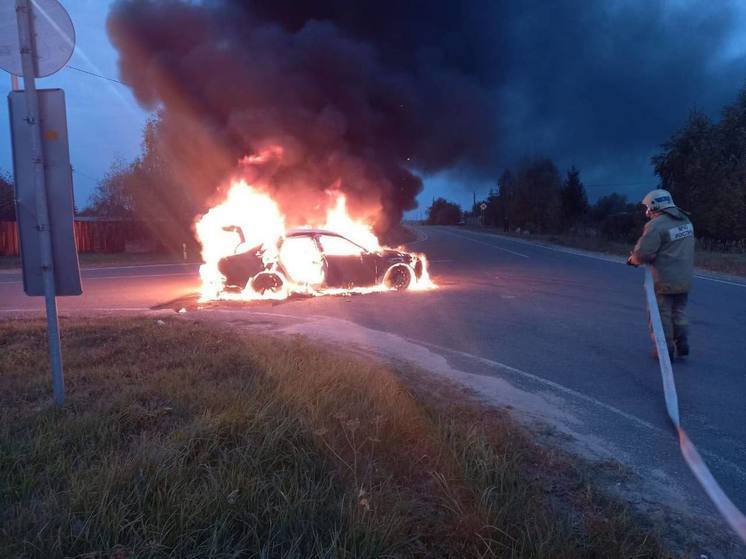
[
  {"x": 617, "y": 219},
  {"x": 114, "y": 195},
  {"x": 491, "y": 214},
  {"x": 443, "y": 212},
  {"x": 704, "y": 167},
  {"x": 7, "y": 198},
  {"x": 156, "y": 190},
  {"x": 610, "y": 204},
  {"x": 573, "y": 199},
  {"x": 536, "y": 203},
  {"x": 506, "y": 198}
]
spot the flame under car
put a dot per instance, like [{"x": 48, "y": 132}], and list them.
[{"x": 317, "y": 259}]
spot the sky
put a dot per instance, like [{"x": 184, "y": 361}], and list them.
[
  {"x": 104, "y": 120},
  {"x": 599, "y": 88}
]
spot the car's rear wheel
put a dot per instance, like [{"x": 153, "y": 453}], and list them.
[
  {"x": 266, "y": 281},
  {"x": 398, "y": 277}
]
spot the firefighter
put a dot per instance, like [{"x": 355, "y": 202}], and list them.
[{"x": 667, "y": 246}]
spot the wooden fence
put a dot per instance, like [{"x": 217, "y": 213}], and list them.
[{"x": 91, "y": 236}]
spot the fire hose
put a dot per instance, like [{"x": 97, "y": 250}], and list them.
[{"x": 734, "y": 517}]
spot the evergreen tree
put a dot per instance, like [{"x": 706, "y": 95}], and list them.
[
  {"x": 443, "y": 212},
  {"x": 506, "y": 199},
  {"x": 536, "y": 202},
  {"x": 573, "y": 199}
]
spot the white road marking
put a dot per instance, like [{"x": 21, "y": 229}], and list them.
[
  {"x": 571, "y": 392},
  {"x": 421, "y": 238},
  {"x": 86, "y": 269},
  {"x": 489, "y": 362},
  {"x": 142, "y": 276},
  {"x": 539, "y": 380},
  {"x": 494, "y": 364},
  {"x": 486, "y": 244},
  {"x": 64, "y": 311},
  {"x": 726, "y": 282},
  {"x": 564, "y": 250},
  {"x": 612, "y": 259},
  {"x": 126, "y": 276}
]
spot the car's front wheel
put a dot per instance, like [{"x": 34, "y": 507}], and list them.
[
  {"x": 266, "y": 281},
  {"x": 398, "y": 277}
]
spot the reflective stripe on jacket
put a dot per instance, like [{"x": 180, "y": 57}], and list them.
[{"x": 667, "y": 244}]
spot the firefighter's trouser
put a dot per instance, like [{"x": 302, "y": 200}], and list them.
[{"x": 673, "y": 317}]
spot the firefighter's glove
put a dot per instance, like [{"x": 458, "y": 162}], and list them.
[{"x": 630, "y": 263}]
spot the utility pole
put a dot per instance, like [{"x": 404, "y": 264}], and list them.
[{"x": 29, "y": 62}]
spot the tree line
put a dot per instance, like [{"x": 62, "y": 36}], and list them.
[
  {"x": 703, "y": 165},
  {"x": 535, "y": 197},
  {"x": 7, "y": 202}
]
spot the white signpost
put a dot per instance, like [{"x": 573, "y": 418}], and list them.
[{"x": 40, "y": 44}]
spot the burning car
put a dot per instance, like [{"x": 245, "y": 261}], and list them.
[{"x": 317, "y": 259}]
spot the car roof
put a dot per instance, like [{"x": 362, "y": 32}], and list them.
[
  {"x": 303, "y": 231},
  {"x": 310, "y": 232}
]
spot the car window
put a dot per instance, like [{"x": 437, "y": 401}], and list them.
[
  {"x": 301, "y": 259},
  {"x": 339, "y": 246}
]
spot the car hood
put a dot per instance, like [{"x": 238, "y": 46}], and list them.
[{"x": 396, "y": 256}]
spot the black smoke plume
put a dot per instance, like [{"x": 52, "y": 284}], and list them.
[
  {"x": 354, "y": 96},
  {"x": 369, "y": 94}
]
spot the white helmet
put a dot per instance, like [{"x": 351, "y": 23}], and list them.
[{"x": 657, "y": 200}]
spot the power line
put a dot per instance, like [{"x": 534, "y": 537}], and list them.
[
  {"x": 84, "y": 175},
  {"x": 96, "y": 75},
  {"x": 621, "y": 185}
]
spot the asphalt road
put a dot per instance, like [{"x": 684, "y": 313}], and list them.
[{"x": 548, "y": 319}]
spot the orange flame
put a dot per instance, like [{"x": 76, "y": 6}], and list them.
[{"x": 248, "y": 218}]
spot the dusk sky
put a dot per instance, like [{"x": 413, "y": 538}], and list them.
[{"x": 599, "y": 88}]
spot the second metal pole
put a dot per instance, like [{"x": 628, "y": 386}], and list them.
[{"x": 28, "y": 57}]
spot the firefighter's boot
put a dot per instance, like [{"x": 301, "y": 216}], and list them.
[{"x": 671, "y": 353}]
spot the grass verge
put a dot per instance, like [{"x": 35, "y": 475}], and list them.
[
  {"x": 181, "y": 440},
  {"x": 722, "y": 262}
]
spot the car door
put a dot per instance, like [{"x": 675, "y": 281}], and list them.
[
  {"x": 347, "y": 264},
  {"x": 301, "y": 260}
]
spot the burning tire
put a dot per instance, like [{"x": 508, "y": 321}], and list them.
[
  {"x": 266, "y": 281},
  {"x": 398, "y": 277}
]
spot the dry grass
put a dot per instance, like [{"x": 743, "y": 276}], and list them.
[{"x": 183, "y": 441}]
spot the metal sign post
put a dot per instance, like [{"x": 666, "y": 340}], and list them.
[{"x": 29, "y": 63}]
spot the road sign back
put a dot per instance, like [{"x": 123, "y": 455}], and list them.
[{"x": 59, "y": 193}]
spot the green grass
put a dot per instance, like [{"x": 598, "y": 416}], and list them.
[{"x": 182, "y": 440}]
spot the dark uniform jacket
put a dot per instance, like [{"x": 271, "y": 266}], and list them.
[{"x": 667, "y": 244}]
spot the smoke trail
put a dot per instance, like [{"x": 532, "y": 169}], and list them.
[{"x": 319, "y": 102}]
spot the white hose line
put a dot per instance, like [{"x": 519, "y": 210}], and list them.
[{"x": 730, "y": 512}]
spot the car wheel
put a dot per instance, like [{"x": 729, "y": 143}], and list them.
[
  {"x": 398, "y": 277},
  {"x": 266, "y": 281}
]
